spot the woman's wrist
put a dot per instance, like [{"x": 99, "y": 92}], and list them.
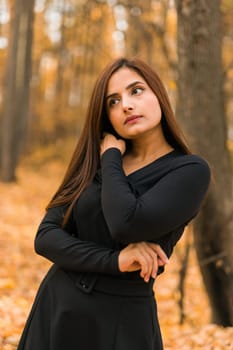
[{"x": 110, "y": 141}]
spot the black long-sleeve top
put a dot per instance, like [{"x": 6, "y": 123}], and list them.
[{"x": 154, "y": 203}]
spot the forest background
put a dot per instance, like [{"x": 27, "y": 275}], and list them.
[{"x": 51, "y": 51}]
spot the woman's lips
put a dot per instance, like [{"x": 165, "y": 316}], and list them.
[{"x": 131, "y": 119}]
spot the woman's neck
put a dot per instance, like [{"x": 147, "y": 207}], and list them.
[
  {"x": 145, "y": 150},
  {"x": 149, "y": 146}
]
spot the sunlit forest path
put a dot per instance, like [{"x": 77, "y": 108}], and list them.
[{"x": 21, "y": 270}]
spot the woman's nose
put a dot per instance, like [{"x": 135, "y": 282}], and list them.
[{"x": 127, "y": 104}]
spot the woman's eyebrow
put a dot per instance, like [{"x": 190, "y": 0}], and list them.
[{"x": 127, "y": 88}]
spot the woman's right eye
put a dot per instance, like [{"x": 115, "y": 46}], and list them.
[{"x": 113, "y": 102}]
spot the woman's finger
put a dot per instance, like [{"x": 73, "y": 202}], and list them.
[
  {"x": 160, "y": 252},
  {"x": 154, "y": 260},
  {"x": 145, "y": 262},
  {"x": 151, "y": 258}
]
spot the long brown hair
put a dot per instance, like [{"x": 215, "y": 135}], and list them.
[{"x": 86, "y": 157}]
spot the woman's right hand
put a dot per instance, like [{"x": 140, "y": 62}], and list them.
[
  {"x": 110, "y": 141},
  {"x": 144, "y": 256}
]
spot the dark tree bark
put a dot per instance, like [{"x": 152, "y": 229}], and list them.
[
  {"x": 201, "y": 111},
  {"x": 139, "y": 35},
  {"x": 16, "y": 96}
]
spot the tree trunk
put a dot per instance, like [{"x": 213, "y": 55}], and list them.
[
  {"x": 16, "y": 95},
  {"x": 139, "y": 37},
  {"x": 201, "y": 111}
]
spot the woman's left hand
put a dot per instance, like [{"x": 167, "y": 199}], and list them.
[
  {"x": 110, "y": 141},
  {"x": 143, "y": 256}
]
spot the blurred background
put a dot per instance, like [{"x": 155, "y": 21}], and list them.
[{"x": 51, "y": 52}]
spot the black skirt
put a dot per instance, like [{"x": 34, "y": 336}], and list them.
[{"x": 65, "y": 316}]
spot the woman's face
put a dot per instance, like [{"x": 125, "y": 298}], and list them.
[{"x": 133, "y": 108}]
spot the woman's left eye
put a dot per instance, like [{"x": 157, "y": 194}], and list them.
[{"x": 137, "y": 90}]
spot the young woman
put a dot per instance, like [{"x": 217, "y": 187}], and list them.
[{"x": 130, "y": 189}]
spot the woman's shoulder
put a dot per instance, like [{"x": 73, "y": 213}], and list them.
[
  {"x": 197, "y": 162},
  {"x": 183, "y": 159}
]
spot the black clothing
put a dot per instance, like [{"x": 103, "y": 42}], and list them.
[{"x": 85, "y": 302}]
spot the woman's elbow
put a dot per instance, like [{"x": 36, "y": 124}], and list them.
[{"x": 40, "y": 244}]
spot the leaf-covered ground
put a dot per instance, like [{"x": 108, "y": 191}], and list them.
[{"x": 21, "y": 270}]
